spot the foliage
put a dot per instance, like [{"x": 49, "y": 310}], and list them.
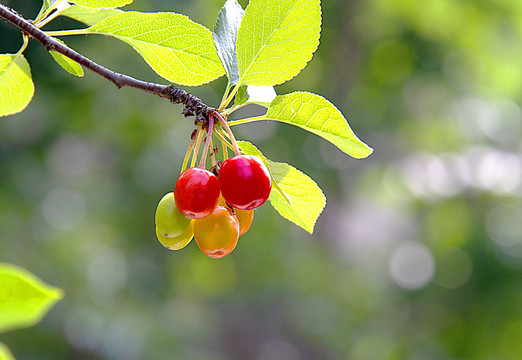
[
  {"x": 265, "y": 45},
  {"x": 16, "y": 86},
  {"x": 24, "y": 300},
  {"x": 416, "y": 255}
]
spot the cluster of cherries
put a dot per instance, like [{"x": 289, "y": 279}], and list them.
[{"x": 215, "y": 210}]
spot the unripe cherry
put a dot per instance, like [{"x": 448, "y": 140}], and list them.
[
  {"x": 179, "y": 241},
  {"x": 169, "y": 220}
]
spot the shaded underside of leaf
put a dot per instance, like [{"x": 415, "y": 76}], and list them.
[
  {"x": 100, "y": 4},
  {"x": 24, "y": 299},
  {"x": 16, "y": 84},
  {"x": 177, "y": 48},
  {"x": 319, "y": 116},
  {"x": 69, "y": 65},
  {"x": 294, "y": 194},
  {"x": 225, "y": 36},
  {"x": 88, "y": 16},
  {"x": 277, "y": 39}
]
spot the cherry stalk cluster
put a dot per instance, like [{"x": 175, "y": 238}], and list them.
[{"x": 215, "y": 210}]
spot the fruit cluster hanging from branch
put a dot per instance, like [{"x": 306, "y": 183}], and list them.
[{"x": 257, "y": 48}]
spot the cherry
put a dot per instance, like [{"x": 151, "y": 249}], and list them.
[
  {"x": 217, "y": 234},
  {"x": 244, "y": 217},
  {"x": 196, "y": 193},
  {"x": 245, "y": 182},
  {"x": 179, "y": 241},
  {"x": 170, "y": 222}
]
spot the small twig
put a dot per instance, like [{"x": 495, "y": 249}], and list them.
[{"x": 193, "y": 105}]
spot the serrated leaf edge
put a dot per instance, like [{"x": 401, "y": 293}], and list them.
[
  {"x": 370, "y": 150},
  {"x": 323, "y": 205}
]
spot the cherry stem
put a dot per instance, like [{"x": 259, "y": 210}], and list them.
[
  {"x": 203, "y": 160},
  {"x": 227, "y": 128},
  {"x": 213, "y": 153},
  {"x": 225, "y": 149},
  {"x": 196, "y": 150},
  {"x": 189, "y": 150},
  {"x": 222, "y": 135}
]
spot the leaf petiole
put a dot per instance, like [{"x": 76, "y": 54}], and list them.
[
  {"x": 232, "y": 109},
  {"x": 247, "y": 120},
  {"x": 225, "y": 94},
  {"x": 68, "y": 32},
  {"x": 24, "y": 45},
  {"x": 227, "y": 101}
]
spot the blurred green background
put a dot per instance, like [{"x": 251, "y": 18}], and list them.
[{"x": 418, "y": 254}]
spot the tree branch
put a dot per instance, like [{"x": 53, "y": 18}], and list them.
[{"x": 193, "y": 105}]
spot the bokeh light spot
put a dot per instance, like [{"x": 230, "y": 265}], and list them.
[
  {"x": 63, "y": 209},
  {"x": 412, "y": 266}
]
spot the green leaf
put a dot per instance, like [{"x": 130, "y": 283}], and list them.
[
  {"x": 24, "y": 299},
  {"x": 225, "y": 36},
  {"x": 319, "y": 116},
  {"x": 296, "y": 196},
  {"x": 307, "y": 199},
  {"x": 69, "y": 65},
  {"x": 88, "y": 16},
  {"x": 99, "y": 4},
  {"x": 16, "y": 84},
  {"x": 276, "y": 40},
  {"x": 252, "y": 94},
  {"x": 177, "y": 48},
  {"x": 5, "y": 353}
]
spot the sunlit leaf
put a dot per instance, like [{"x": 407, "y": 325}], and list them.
[
  {"x": 307, "y": 199},
  {"x": 276, "y": 40},
  {"x": 261, "y": 95},
  {"x": 294, "y": 195},
  {"x": 88, "y": 16},
  {"x": 69, "y": 65},
  {"x": 16, "y": 84},
  {"x": 225, "y": 36},
  {"x": 177, "y": 48},
  {"x": 5, "y": 353},
  {"x": 319, "y": 116},
  {"x": 99, "y": 4},
  {"x": 24, "y": 299}
]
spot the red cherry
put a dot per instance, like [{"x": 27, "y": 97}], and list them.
[
  {"x": 196, "y": 193},
  {"x": 245, "y": 182}
]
